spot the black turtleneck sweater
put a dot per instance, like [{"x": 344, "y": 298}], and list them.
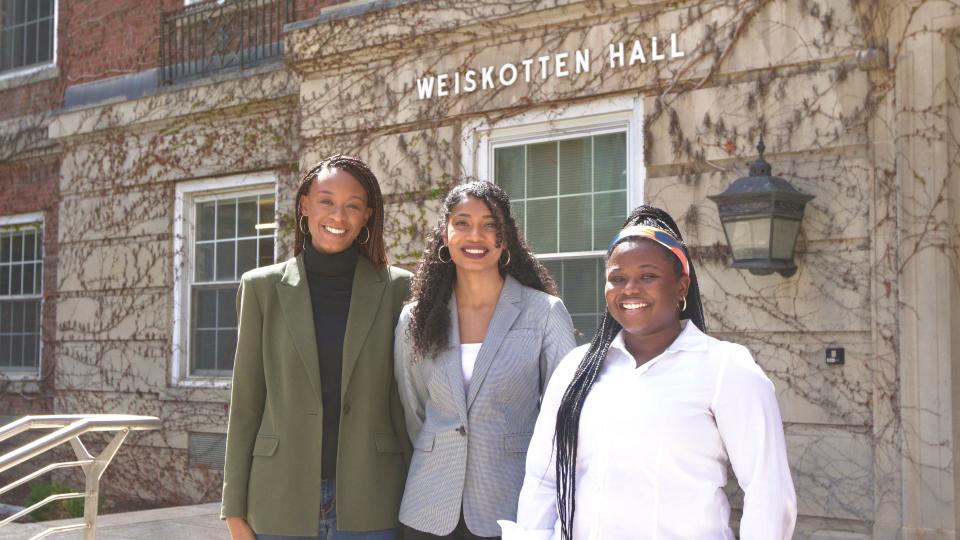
[{"x": 331, "y": 280}]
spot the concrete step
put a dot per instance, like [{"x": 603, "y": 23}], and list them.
[{"x": 197, "y": 522}]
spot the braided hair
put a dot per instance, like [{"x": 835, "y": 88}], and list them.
[
  {"x": 434, "y": 279},
  {"x": 374, "y": 248},
  {"x": 571, "y": 405}
]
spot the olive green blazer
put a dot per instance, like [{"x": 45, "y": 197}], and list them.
[{"x": 272, "y": 470}]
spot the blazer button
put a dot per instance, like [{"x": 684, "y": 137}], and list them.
[
  {"x": 462, "y": 430},
  {"x": 346, "y": 408}
]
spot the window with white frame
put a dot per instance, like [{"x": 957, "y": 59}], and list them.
[
  {"x": 225, "y": 233},
  {"x": 27, "y": 34},
  {"x": 572, "y": 178},
  {"x": 21, "y": 277}
]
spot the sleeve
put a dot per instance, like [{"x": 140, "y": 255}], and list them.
[
  {"x": 748, "y": 417},
  {"x": 397, "y": 417},
  {"x": 413, "y": 393},
  {"x": 247, "y": 399},
  {"x": 537, "y": 517},
  {"x": 558, "y": 340}
]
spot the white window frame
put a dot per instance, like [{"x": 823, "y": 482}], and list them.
[
  {"x": 188, "y": 194},
  {"x": 30, "y": 70},
  {"x": 609, "y": 115},
  {"x": 33, "y": 218}
]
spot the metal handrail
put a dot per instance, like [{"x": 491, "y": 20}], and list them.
[{"x": 69, "y": 427}]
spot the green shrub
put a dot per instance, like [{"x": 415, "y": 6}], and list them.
[{"x": 69, "y": 508}]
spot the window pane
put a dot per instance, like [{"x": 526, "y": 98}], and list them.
[
  {"x": 205, "y": 308},
  {"x": 225, "y": 261},
  {"x": 5, "y": 359},
  {"x": 586, "y": 326},
  {"x": 580, "y": 279},
  {"x": 518, "y": 209},
  {"x": 45, "y": 41},
  {"x": 226, "y": 219},
  {"x": 15, "y": 277},
  {"x": 226, "y": 349},
  {"x": 542, "y": 169},
  {"x": 16, "y": 350},
  {"x": 31, "y": 316},
  {"x": 206, "y": 220},
  {"x": 16, "y": 317},
  {"x": 30, "y": 45},
  {"x": 31, "y": 350},
  {"x": 33, "y": 10},
  {"x": 555, "y": 268},
  {"x": 16, "y": 252},
  {"x": 508, "y": 170},
  {"x": 4, "y": 280},
  {"x": 227, "y": 307},
  {"x": 610, "y": 161},
  {"x": 246, "y": 255},
  {"x": 29, "y": 246},
  {"x": 28, "y": 279},
  {"x": 46, "y": 8},
  {"x": 609, "y": 213},
  {"x": 575, "y": 157},
  {"x": 204, "y": 349},
  {"x": 265, "y": 255},
  {"x": 204, "y": 266},
  {"x": 247, "y": 217},
  {"x": 5, "y": 241},
  {"x": 266, "y": 212},
  {"x": 575, "y": 220},
  {"x": 6, "y": 317},
  {"x": 542, "y": 225}
]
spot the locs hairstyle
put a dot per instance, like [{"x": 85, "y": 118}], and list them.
[
  {"x": 568, "y": 415},
  {"x": 433, "y": 281},
  {"x": 373, "y": 249}
]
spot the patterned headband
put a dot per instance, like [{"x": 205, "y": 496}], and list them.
[{"x": 659, "y": 236}]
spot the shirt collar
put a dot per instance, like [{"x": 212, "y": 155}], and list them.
[{"x": 690, "y": 339}]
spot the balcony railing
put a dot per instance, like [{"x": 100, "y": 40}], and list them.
[
  {"x": 204, "y": 38},
  {"x": 68, "y": 429}
]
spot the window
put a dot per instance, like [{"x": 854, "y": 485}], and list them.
[
  {"x": 27, "y": 33},
  {"x": 572, "y": 178},
  {"x": 21, "y": 277},
  {"x": 224, "y": 232}
]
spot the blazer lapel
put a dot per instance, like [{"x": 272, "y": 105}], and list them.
[
  {"x": 504, "y": 314},
  {"x": 294, "y": 295},
  {"x": 451, "y": 361},
  {"x": 368, "y": 286}
]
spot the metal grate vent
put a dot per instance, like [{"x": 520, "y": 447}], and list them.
[{"x": 207, "y": 450}]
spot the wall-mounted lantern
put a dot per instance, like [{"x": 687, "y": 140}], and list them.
[{"x": 761, "y": 217}]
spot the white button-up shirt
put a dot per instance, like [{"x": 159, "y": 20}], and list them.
[{"x": 654, "y": 445}]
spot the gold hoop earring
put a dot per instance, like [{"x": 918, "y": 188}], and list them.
[
  {"x": 683, "y": 304},
  {"x": 304, "y": 230},
  {"x": 440, "y": 254},
  {"x": 508, "y": 257},
  {"x": 367, "y": 239}
]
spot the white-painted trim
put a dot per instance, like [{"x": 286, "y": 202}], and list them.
[
  {"x": 187, "y": 195},
  {"x": 28, "y": 70},
  {"x": 30, "y": 218}
]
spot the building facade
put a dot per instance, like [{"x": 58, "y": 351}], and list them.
[{"x": 140, "y": 193}]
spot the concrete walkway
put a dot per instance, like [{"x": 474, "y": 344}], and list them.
[{"x": 199, "y": 522}]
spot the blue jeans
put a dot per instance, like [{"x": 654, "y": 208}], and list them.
[{"x": 328, "y": 522}]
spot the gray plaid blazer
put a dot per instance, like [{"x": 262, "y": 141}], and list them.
[{"x": 492, "y": 423}]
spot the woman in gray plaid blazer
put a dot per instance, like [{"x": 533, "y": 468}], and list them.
[{"x": 474, "y": 351}]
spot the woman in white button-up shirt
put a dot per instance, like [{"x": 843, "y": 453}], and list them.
[{"x": 637, "y": 428}]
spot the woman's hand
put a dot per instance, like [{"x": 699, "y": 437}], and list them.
[{"x": 239, "y": 529}]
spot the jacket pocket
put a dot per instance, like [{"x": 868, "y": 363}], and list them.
[
  {"x": 265, "y": 445},
  {"x": 424, "y": 441},
  {"x": 387, "y": 443},
  {"x": 517, "y": 442}
]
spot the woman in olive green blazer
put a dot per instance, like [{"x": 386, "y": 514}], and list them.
[{"x": 273, "y": 480}]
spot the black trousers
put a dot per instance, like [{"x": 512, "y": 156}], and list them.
[{"x": 461, "y": 532}]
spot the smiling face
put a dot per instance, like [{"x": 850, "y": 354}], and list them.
[
  {"x": 335, "y": 209},
  {"x": 643, "y": 288},
  {"x": 471, "y": 235}
]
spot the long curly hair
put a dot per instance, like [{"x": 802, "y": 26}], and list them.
[
  {"x": 374, "y": 248},
  {"x": 434, "y": 279},
  {"x": 571, "y": 405}
]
